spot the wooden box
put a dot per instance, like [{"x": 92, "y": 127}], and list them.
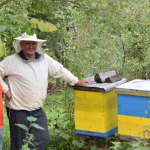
[
  {"x": 134, "y": 108},
  {"x": 96, "y": 109}
]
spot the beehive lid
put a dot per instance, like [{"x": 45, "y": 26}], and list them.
[
  {"x": 137, "y": 85},
  {"x": 99, "y": 87}
]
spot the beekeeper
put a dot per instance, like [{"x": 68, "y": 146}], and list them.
[{"x": 27, "y": 72}]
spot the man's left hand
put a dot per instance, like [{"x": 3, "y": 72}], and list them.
[{"x": 83, "y": 82}]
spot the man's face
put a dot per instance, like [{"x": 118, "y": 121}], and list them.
[{"x": 28, "y": 47}]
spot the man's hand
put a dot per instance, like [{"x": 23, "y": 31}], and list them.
[
  {"x": 8, "y": 95},
  {"x": 83, "y": 82}
]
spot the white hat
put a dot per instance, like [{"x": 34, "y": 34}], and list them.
[{"x": 26, "y": 37}]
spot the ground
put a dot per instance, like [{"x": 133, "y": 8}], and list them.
[{"x": 52, "y": 89}]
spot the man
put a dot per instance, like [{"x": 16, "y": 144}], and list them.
[{"x": 27, "y": 72}]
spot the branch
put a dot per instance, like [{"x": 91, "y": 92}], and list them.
[{"x": 7, "y": 1}]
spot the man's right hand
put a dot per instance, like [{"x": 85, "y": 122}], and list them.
[{"x": 8, "y": 95}]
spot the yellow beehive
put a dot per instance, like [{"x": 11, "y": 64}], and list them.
[
  {"x": 96, "y": 109},
  {"x": 96, "y": 112}
]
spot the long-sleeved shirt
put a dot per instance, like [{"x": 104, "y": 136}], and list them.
[{"x": 28, "y": 80}]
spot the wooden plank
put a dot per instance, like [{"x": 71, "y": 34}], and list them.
[
  {"x": 107, "y": 118},
  {"x": 110, "y": 100},
  {"x": 133, "y": 132},
  {"x": 131, "y": 119},
  {"x": 101, "y": 77},
  {"x": 133, "y": 105},
  {"x": 114, "y": 78},
  {"x": 127, "y": 138},
  {"x": 133, "y": 93},
  {"x": 96, "y": 121},
  {"x": 95, "y": 101},
  {"x": 89, "y": 101},
  {"x": 97, "y": 126},
  {"x": 97, "y": 134},
  {"x": 83, "y": 88},
  {"x": 133, "y": 126}
]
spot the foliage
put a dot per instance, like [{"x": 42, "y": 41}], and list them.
[
  {"x": 140, "y": 144},
  {"x": 60, "y": 113},
  {"x": 92, "y": 36},
  {"x": 16, "y": 20}
]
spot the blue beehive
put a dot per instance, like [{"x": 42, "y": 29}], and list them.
[{"x": 134, "y": 108}]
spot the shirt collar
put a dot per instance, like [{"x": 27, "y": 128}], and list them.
[{"x": 22, "y": 55}]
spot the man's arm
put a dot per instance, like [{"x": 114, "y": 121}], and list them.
[
  {"x": 3, "y": 72},
  {"x": 8, "y": 94},
  {"x": 56, "y": 70}
]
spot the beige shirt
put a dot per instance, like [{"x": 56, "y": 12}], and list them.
[{"x": 28, "y": 81}]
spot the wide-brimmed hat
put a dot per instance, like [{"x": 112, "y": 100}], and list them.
[{"x": 26, "y": 37}]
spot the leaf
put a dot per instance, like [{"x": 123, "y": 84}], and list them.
[
  {"x": 74, "y": 55},
  {"x": 76, "y": 143},
  {"x": 46, "y": 27},
  {"x": 69, "y": 90},
  {"x": 25, "y": 147},
  {"x": 22, "y": 126},
  {"x": 64, "y": 135},
  {"x": 104, "y": 2},
  {"x": 50, "y": 27},
  {"x": 62, "y": 34},
  {"x": 42, "y": 26},
  {"x": 37, "y": 126},
  {"x": 31, "y": 118},
  {"x": 34, "y": 22},
  {"x": 72, "y": 66},
  {"x": 46, "y": 49},
  {"x": 97, "y": 45},
  {"x": 2, "y": 49},
  {"x": 2, "y": 26},
  {"x": 66, "y": 117},
  {"x": 93, "y": 148},
  {"x": 2, "y": 18},
  {"x": 79, "y": 75}
]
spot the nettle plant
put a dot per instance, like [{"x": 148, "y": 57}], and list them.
[
  {"x": 29, "y": 137},
  {"x": 60, "y": 113}
]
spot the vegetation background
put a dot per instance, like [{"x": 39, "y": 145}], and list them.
[{"x": 87, "y": 37}]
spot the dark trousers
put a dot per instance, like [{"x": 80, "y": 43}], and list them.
[{"x": 18, "y": 134}]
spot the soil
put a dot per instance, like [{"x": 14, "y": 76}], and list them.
[{"x": 52, "y": 89}]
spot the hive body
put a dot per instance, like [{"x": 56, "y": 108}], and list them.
[
  {"x": 134, "y": 108},
  {"x": 95, "y": 113}
]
